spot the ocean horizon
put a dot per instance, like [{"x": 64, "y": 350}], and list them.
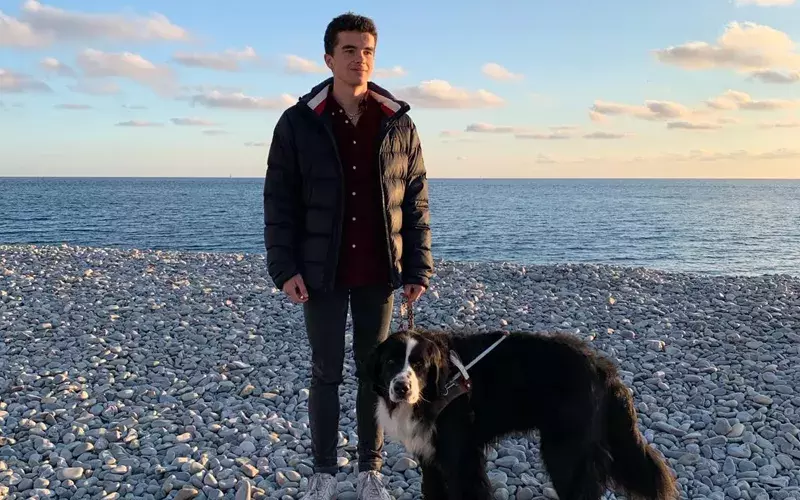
[{"x": 709, "y": 226}]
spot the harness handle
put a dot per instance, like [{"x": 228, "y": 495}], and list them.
[{"x": 406, "y": 308}]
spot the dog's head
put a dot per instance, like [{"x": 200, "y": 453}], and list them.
[{"x": 409, "y": 367}]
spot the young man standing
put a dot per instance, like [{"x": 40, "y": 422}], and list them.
[{"x": 346, "y": 223}]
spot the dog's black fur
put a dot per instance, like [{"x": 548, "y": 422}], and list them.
[{"x": 553, "y": 383}]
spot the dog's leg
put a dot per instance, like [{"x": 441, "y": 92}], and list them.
[
  {"x": 433, "y": 484},
  {"x": 461, "y": 458},
  {"x": 569, "y": 462}
]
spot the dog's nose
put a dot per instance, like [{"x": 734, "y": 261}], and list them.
[{"x": 402, "y": 387}]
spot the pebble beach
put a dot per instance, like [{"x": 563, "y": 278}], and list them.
[{"x": 160, "y": 374}]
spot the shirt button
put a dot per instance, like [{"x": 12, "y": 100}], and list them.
[
  {"x": 354, "y": 167},
  {"x": 347, "y": 121},
  {"x": 354, "y": 193},
  {"x": 354, "y": 142},
  {"x": 354, "y": 218},
  {"x": 354, "y": 245}
]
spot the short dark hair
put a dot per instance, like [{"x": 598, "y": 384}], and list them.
[{"x": 347, "y": 22}]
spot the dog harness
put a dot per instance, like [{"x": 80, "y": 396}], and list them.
[{"x": 460, "y": 383}]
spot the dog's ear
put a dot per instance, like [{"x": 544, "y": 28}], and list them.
[{"x": 439, "y": 369}]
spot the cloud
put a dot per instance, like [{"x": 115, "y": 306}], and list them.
[
  {"x": 765, "y": 3},
  {"x": 393, "y": 72},
  {"x": 604, "y": 135},
  {"x": 97, "y": 64},
  {"x": 744, "y": 47},
  {"x": 15, "y": 33},
  {"x": 775, "y": 76},
  {"x": 92, "y": 87},
  {"x": 497, "y": 72},
  {"x": 53, "y": 65},
  {"x": 192, "y": 122},
  {"x": 222, "y": 61},
  {"x": 651, "y": 110},
  {"x": 736, "y": 100},
  {"x": 134, "y": 106},
  {"x": 440, "y": 94},
  {"x": 42, "y": 25},
  {"x": 240, "y": 101},
  {"x": 679, "y": 116},
  {"x": 251, "y": 144},
  {"x": 780, "y": 124},
  {"x": 485, "y": 128},
  {"x": 694, "y": 125},
  {"x": 214, "y": 132},
  {"x": 296, "y": 65},
  {"x": 138, "y": 123},
  {"x": 18, "y": 83},
  {"x": 738, "y": 155},
  {"x": 73, "y": 107}
]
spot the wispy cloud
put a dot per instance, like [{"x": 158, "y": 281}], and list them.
[
  {"x": 41, "y": 25},
  {"x": 214, "y": 132},
  {"x": 735, "y": 100},
  {"x": 297, "y": 65},
  {"x": 97, "y": 64},
  {"x": 498, "y": 72},
  {"x": 192, "y": 122},
  {"x": 600, "y": 135},
  {"x": 253, "y": 144},
  {"x": 73, "y": 107},
  {"x": 393, "y": 72},
  {"x": 744, "y": 47},
  {"x": 780, "y": 124},
  {"x": 229, "y": 60},
  {"x": 776, "y": 76},
  {"x": 694, "y": 125},
  {"x": 139, "y": 123},
  {"x": 240, "y": 101},
  {"x": 17, "y": 83},
  {"x": 96, "y": 88},
  {"x": 440, "y": 94},
  {"x": 53, "y": 65},
  {"x": 765, "y": 3}
]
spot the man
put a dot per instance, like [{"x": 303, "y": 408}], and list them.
[{"x": 346, "y": 223}]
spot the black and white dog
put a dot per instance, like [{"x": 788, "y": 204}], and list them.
[{"x": 445, "y": 413}]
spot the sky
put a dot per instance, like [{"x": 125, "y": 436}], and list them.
[{"x": 558, "y": 88}]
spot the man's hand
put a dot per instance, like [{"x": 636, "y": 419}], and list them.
[
  {"x": 295, "y": 288},
  {"x": 412, "y": 292}
]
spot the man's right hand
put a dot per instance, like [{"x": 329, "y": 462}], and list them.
[{"x": 295, "y": 288}]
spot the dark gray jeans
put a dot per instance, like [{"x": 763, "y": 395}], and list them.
[{"x": 325, "y": 318}]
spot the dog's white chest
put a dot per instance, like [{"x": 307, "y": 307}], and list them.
[{"x": 401, "y": 426}]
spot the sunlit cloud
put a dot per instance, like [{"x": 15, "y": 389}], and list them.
[
  {"x": 17, "y": 83},
  {"x": 240, "y": 101},
  {"x": 229, "y": 60},
  {"x": 442, "y": 95},
  {"x": 500, "y": 73}
]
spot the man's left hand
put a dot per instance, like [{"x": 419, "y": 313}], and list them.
[{"x": 412, "y": 291}]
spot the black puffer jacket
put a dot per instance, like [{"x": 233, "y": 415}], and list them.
[{"x": 303, "y": 195}]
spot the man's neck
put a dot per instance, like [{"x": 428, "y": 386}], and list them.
[{"x": 348, "y": 97}]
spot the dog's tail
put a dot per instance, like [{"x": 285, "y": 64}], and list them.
[{"x": 635, "y": 467}]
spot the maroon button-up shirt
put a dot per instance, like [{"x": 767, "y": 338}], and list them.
[{"x": 363, "y": 255}]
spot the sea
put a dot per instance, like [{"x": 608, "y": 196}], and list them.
[{"x": 733, "y": 227}]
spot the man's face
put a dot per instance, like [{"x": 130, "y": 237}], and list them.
[{"x": 353, "y": 58}]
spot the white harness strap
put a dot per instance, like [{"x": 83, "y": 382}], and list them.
[{"x": 463, "y": 371}]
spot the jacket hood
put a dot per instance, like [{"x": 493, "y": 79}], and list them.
[{"x": 315, "y": 98}]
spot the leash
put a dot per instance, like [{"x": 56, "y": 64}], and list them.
[{"x": 406, "y": 308}]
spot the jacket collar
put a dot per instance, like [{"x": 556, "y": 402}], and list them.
[{"x": 390, "y": 105}]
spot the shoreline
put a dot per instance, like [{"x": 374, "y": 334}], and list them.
[{"x": 163, "y": 374}]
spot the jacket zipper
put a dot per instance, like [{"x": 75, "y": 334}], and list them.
[{"x": 329, "y": 274}]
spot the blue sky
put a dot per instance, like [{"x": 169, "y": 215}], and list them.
[{"x": 701, "y": 88}]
